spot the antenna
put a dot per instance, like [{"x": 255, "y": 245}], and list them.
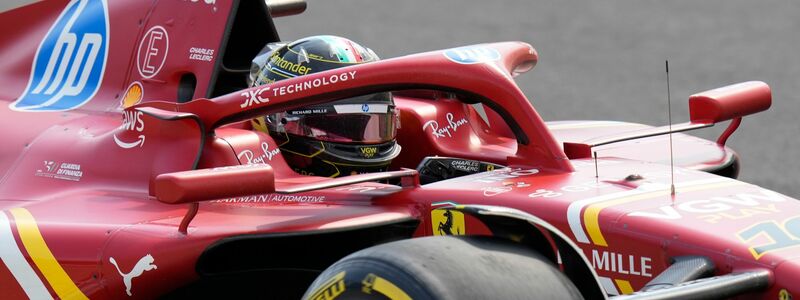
[
  {"x": 596, "y": 174},
  {"x": 669, "y": 119}
]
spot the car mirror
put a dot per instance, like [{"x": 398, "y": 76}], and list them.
[
  {"x": 729, "y": 102},
  {"x": 209, "y": 184}
]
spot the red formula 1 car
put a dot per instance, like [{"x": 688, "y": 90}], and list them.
[{"x": 128, "y": 172}]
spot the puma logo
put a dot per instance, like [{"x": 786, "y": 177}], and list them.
[{"x": 144, "y": 264}]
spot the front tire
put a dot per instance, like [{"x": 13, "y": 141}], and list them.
[{"x": 473, "y": 267}]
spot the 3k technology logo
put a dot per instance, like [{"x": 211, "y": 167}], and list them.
[{"x": 70, "y": 62}]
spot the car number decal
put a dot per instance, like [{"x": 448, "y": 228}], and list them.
[{"x": 777, "y": 236}]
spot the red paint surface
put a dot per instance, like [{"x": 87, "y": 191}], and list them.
[{"x": 110, "y": 212}]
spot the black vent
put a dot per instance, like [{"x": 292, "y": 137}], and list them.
[
  {"x": 186, "y": 87},
  {"x": 248, "y": 31}
]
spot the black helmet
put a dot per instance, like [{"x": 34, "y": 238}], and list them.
[{"x": 345, "y": 137}]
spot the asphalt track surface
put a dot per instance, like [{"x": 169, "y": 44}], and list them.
[{"x": 604, "y": 60}]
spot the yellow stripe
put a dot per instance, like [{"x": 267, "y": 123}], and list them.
[
  {"x": 364, "y": 165},
  {"x": 301, "y": 154},
  {"x": 389, "y": 290},
  {"x": 592, "y": 213},
  {"x": 624, "y": 286},
  {"x": 273, "y": 72},
  {"x": 338, "y": 172},
  {"x": 323, "y": 60},
  {"x": 260, "y": 124},
  {"x": 42, "y": 257}
]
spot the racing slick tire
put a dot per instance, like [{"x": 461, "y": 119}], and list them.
[{"x": 473, "y": 267}]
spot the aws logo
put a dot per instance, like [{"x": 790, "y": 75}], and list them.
[
  {"x": 132, "y": 124},
  {"x": 69, "y": 64}
]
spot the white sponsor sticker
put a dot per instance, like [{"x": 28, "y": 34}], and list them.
[
  {"x": 313, "y": 83},
  {"x": 201, "y": 54},
  {"x": 254, "y": 96},
  {"x": 249, "y": 157},
  {"x": 716, "y": 209},
  {"x": 131, "y": 122},
  {"x": 447, "y": 130},
  {"x": 626, "y": 264},
  {"x": 146, "y": 263},
  {"x": 502, "y": 175},
  {"x": 65, "y": 171},
  {"x": 361, "y": 108},
  {"x": 152, "y": 53},
  {"x": 575, "y": 208},
  {"x": 274, "y": 198}
]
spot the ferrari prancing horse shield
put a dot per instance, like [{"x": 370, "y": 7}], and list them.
[{"x": 447, "y": 222}]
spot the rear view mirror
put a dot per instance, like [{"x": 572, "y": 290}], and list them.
[
  {"x": 209, "y": 184},
  {"x": 729, "y": 102},
  {"x": 705, "y": 109}
]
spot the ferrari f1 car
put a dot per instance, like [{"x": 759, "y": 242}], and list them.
[{"x": 128, "y": 171}]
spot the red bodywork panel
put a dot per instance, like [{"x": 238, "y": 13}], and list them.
[
  {"x": 729, "y": 102},
  {"x": 80, "y": 218}
]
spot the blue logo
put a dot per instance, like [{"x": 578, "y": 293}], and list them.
[
  {"x": 365, "y": 107},
  {"x": 69, "y": 65},
  {"x": 472, "y": 55}
]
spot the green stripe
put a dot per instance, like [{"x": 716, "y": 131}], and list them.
[{"x": 339, "y": 46}]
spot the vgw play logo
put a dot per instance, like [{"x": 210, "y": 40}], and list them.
[{"x": 69, "y": 65}]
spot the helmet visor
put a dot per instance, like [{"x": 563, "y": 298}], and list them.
[{"x": 368, "y": 123}]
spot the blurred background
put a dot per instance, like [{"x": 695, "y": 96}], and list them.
[{"x": 604, "y": 60}]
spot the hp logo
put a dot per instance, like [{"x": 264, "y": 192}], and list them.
[
  {"x": 472, "y": 55},
  {"x": 365, "y": 107},
  {"x": 69, "y": 65}
]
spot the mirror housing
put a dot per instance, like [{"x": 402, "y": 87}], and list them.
[
  {"x": 217, "y": 183},
  {"x": 705, "y": 109},
  {"x": 729, "y": 102}
]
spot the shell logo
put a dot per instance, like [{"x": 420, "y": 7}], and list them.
[{"x": 133, "y": 95}]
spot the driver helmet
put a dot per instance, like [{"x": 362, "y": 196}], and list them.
[{"x": 345, "y": 137}]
